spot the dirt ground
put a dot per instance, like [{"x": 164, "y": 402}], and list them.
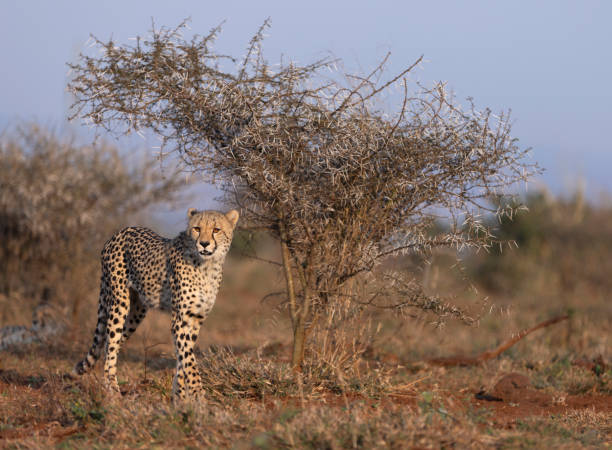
[
  {"x": 551, "y": 389},
  {"x": 42, "y": 406}
]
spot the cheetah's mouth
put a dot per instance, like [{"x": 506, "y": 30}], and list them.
[{"x": 205, "y": 253}]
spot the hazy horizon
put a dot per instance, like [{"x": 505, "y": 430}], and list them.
[{"x": 548, "y": 62}]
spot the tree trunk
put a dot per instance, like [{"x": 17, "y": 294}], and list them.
[
  {"x": 297, "y": 322},
  {"x": 299, "y": 327},
  {"x": 288, "y": 274},
  {"x": 299, "y": 343}
]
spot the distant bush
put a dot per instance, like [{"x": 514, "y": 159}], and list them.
[
  {"x": 59, "y": 200},
  {"x": 564, "y": 241}
]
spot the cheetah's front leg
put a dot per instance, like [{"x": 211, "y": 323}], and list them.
[
  {"x": 187, "y": 380},
  {"x": 179, "y": 390}
]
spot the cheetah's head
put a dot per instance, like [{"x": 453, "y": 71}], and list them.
[{"x": 212, "y": 231}]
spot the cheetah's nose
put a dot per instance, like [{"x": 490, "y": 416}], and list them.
[{"x": 204, "y": 244}]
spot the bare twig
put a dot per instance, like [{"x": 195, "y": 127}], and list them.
[{"x": 485, "y": 356}]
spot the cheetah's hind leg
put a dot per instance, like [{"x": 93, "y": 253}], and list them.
[
  {"x": 138, "y": 310},
  {"x": 117, "y": 316}
]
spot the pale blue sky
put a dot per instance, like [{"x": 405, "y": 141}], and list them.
[{"x": 549, "y": 61}]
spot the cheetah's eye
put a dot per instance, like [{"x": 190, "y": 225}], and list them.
[
  {"x": 216, "y": 230},
  {"x": 196, "y": 230}
]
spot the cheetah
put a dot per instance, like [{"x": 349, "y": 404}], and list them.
[{"x": 142, "y": 270}]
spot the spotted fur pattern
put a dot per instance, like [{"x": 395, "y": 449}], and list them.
[{"x": 142, "y": 270}]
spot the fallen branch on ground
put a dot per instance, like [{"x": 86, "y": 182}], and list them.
[{"x": 459, "y": 360}]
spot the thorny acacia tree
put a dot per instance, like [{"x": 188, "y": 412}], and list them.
[{"x": 310, "y": 157}]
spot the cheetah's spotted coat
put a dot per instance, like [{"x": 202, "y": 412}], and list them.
[{"x": 142, "y": 270}]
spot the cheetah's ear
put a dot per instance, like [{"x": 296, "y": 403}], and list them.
[
  {"x": 191, "y": 212},
  {"x": 232, "y": 216}
]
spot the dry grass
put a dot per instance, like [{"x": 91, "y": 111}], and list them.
[
  {"x": 255, "y": 402},
  {"x": 389, "y": 399},
  {"x": 382, "y": 395}
]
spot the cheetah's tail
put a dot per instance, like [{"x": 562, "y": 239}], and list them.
[{"x": 99, "y": 340}]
